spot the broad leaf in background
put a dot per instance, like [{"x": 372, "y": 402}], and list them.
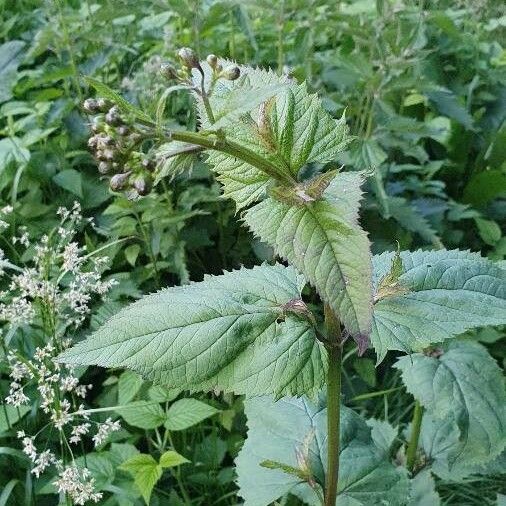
[
  {"x": 324, "y": 241},
  {"x": 11, "y": 54},
  {"x": 147, "y": 471},
  {"x": 231, "y": 332},
  {"x": 448, "y": 292},
  {"x": 291, "y": 432},
  {"x": 466, "y": 384},
  {"x": 186, "y": 413},
  {"x": 143, "y": 414}
]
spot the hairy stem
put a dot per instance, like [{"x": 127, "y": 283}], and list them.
[
  {"x": 234, "y": 149},
  {"x": 334, "y": 348},
  {"x": 416, "y": 425}
]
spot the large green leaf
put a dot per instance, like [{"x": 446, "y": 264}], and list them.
[
  {"x": 465, "y": 384},
  {"x": 324, "y": 241},
  {"x": 275, "y": 118},
  {"x": 229, "y": 332},
  {"x": 289, "y": 432},
  {"x": 448, "y": 292}
]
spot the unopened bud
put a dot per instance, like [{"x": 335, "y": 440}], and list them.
[
  {"x": 143, "y": 184},
  {"x": 108, "y": 155},
  {"x": 189, "y": 57},
  {"x": 168, "y": 71},
  {"x": 93, "y": 142},
  {"x": 113, "y": 118},
  {"x": 104, "y": 167},
  {"x": 148, "y": 164},
  {"x": 90, "y": 106},
  {"x": 212, "y": 59},
  {"x": 123, "y": 130},
  {"x": 103, "y": 104},
  {"x": 119, "y": 181},
  {"x": 231, "y": 73}
]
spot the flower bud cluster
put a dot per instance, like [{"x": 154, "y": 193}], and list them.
[
  {"x": 190, "y": 60},
  {"x": 115, "y": 144}
]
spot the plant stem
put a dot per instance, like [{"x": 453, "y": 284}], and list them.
[
  {"x": 234, "y": 149},
  {"x": 416, "y": 425},
  {"x": 334, "y": 349}
]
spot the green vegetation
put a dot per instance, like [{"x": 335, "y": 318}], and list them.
[{"x": 316, "y": 214}]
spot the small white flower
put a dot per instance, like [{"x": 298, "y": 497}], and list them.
[{"x": 104, "y": 430}]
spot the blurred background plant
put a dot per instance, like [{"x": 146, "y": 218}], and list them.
[{"x": 423, "y": 84}]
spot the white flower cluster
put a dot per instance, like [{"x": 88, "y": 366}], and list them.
[
  {"x": 54, "y": 293},
  {"x": 53, "y": 382},
  {"x": 72, "y": 480},
  {"x": 62, "y": 279},
  {"x": 77, "y": 483}
]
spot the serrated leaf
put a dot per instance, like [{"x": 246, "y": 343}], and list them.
[
  {"x": 278, "y": 432},
  {"x": 277, "y": 119},
  {"x": 186, "y": 413},
  {"x": 142, "y": 414},
  {"x": 105, "y": 92},
  {"x": 324, "y": 241},
  {"x": 172, "y": 459},
  {"x": 145, "y": 471},
  {"x": 449, "y": 292},
  {"x": 223, "y": 333},
  {"x": 301, "y": 131},
  {"x": 175, "y": 158},
  {"x": 231, "y": 99},
  {"x": 464, "y": 383},
  {"x": 404, "y": 213},
  {"x": 423, "y": 490},
  {"x": 383, "y": 434}
]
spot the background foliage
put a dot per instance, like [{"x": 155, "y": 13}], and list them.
[{"x": 423, "y": 85}]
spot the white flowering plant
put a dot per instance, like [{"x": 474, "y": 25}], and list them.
[{"x": 49, "y": 298}]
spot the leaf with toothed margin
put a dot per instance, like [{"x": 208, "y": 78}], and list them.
[
  {"x": 465, "y": 384},
  {"x": 447, "y": 293},
  {"x": 324, "y": 241},
  {"x": 274, "y": 117},
  {"x": 423, "y": 490},
  {"x": 293, "y": 433},
  {"x": 228, "y": 332}
]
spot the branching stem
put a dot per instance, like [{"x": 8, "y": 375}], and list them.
[{"x": 334, "y": 349}]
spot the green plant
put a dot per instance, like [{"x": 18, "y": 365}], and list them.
[{"x": 260, "y": 331}]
